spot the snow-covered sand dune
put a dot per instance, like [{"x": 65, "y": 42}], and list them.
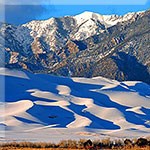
[{"x": 48, "y": 108}]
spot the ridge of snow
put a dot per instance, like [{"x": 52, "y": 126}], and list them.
[{"x": 110, "y": 20}]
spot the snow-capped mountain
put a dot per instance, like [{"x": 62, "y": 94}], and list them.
[
  {"x": 90, "y": 23},
  {"x": 85, "y": 45},
  {"x": 50, "y": 108},
  {"x": 57, "y": 31}
]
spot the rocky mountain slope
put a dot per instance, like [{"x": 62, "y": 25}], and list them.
[{"x": 88, "y": 45}]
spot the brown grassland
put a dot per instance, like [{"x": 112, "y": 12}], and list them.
[
  {"x": 10, "y": 148},
  {"x": 82, "y": 144}
]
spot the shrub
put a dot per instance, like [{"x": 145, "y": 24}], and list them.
[
  {"x": 128, "y": 142},
  {"x": 142, "y": 142}
]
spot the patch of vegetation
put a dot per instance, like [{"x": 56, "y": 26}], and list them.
[{"x": 127, "y": 144}]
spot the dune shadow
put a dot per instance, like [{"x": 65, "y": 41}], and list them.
[
  {"x": 52, "y": 115},
  {"x": 142, "y": 88},
  {"x": 28, "y": 121}
]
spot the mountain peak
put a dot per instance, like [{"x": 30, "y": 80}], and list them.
[
  {"x": 107, "y": 20},
  {"x": 87, "y": 13},
  {"x": 85, "y": 16}
]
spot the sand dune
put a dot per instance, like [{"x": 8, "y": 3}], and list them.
[{"x": 41, "y": 107}]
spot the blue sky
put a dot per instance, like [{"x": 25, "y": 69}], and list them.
[{"x": 22, "y": 11}]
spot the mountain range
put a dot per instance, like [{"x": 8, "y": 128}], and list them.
[{"x": 85, "y": 45}]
